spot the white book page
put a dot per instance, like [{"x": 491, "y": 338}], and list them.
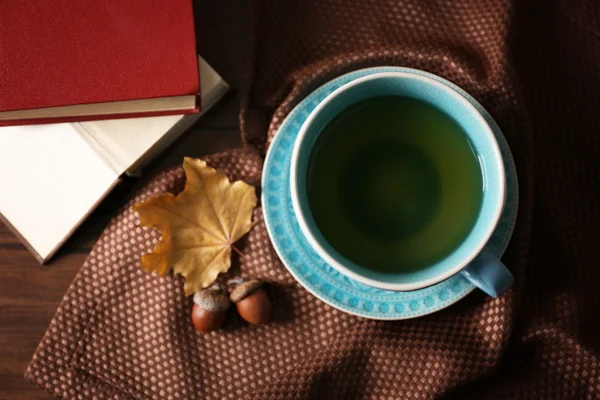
[
  {"x": 50, "y": 179},
  {"x": 124, "y": 141}
]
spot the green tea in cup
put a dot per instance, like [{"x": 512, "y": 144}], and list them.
[{"x": 394, "y": 184}]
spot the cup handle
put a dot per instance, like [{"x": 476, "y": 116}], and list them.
[{"x": 488, "y": 273}]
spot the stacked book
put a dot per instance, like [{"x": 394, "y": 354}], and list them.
[{"x": 89, "y": 92}]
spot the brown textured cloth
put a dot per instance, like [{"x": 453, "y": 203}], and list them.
[{"x": 122, "y": 333}]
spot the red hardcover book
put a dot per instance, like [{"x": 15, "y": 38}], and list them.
[{"x": 66, "y": 60}]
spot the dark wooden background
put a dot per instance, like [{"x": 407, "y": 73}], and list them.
[{"x": 30, "y": 293}]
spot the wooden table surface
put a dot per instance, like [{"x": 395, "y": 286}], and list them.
[{"x": 30, "y": 293}]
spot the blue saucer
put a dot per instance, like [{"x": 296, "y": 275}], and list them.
[{"x": 317, "y": 276}]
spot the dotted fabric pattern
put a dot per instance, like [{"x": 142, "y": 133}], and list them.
[{"x": 122, "y": 333}]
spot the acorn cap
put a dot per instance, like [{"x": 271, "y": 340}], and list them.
[
  {"x": 244, "y": 290},
  {"x": 213, "y": 299}
]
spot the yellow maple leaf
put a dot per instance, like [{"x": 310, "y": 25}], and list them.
[{"x": 198, "y": 226}]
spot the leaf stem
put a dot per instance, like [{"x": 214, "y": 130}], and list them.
[{"x": 238, "y": 251}]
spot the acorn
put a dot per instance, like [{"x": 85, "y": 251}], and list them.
[
  {"x": 210, "y": 309},
  {"x": 252, "y": 302}
]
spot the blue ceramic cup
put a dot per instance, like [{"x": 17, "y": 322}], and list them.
[{"x": 469, "y": 258}]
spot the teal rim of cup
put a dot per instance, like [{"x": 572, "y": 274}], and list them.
[{"x": 456, "y": 106}]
